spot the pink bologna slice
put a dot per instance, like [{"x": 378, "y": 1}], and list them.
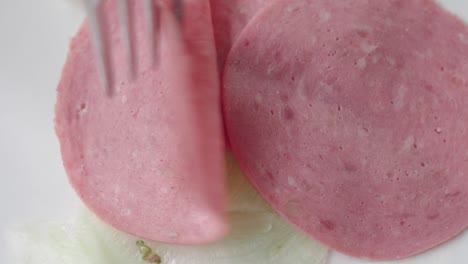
[
  {"x": 229, "y": 18},
  {"x": 149, "y": 160},
  {"x": 351, "y": 119}
]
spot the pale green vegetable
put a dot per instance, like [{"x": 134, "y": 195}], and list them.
[
  {"x": 258, "y": 236},
  {"x": 147, "y": 253}
]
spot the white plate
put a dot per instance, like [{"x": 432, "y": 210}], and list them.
[{"x": 34, "y": 37}]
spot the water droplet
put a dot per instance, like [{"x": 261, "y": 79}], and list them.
[{"x": 438, "y": 130}]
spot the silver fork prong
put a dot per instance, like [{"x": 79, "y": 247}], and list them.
[
  {"x": 99, "y": 38},
  {"x": 152, "y": 28},
  {"x": 178, "y": 9},
  {"x": 126, "y": 26}
]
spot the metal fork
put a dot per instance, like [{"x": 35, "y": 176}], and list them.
[{"x": 100, "y": 36}]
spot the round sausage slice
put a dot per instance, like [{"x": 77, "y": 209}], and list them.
[
  {"x": 149, "y": 159},
  {"x": 351, "y": 119},
  {"x": 229, "y": 18}
]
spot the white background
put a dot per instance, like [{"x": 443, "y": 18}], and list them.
[{"x": 34, "y": 37}]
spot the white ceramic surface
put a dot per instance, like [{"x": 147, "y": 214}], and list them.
[{"x": 34, "y": 37}]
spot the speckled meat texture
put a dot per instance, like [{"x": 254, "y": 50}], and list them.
[
  {"x": 229, "y": 19},
  {"x": 148, "y": 160},
  {"x": 351, "y": 119}
]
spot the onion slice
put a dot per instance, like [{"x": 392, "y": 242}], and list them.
[{"x": 258, "y": 235}]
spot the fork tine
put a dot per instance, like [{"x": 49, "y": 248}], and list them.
[
  {"x": 178, "y": 10},
  {"x": 101, "y": 41},
  {"x": 126, "y": 25},
  {"x": 152, "y": 13},
  {"x": 99, "y": 38}
]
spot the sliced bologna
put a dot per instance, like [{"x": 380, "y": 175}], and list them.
[
  {"x": 229, "y": 18},
  {"x": 148, "y": 160},
  {"x": 351, "y": 119}
]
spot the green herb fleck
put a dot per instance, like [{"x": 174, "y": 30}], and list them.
[{"x": 147, "y": 253}]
